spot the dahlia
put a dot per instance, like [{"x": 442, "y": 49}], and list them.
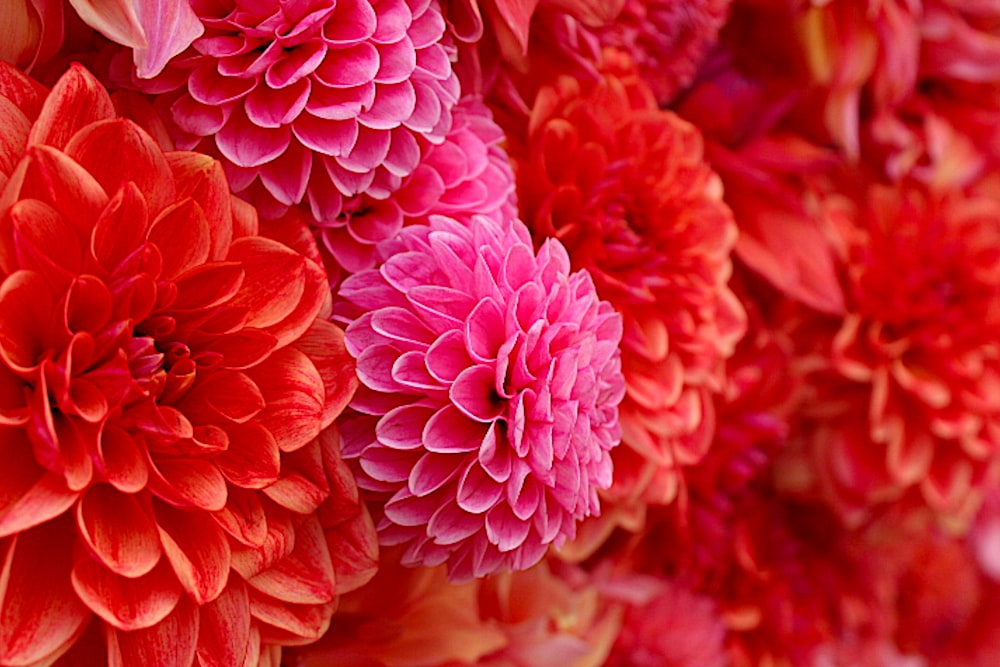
[
  {"x": 172, "y": 479},
  {"x": 468, "y": 174},
  {"x": 904, "y": 404},
  {"x": 667, "y": 38},
  {"x": 311, "y": 96},
  {"x": 624, "y": 186},
  {"x": 488, "y": 405}
]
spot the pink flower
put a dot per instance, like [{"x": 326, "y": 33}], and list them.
[
  {"x": 171, "y": 474},
  {"x": 668, "y": 626},
  {"x": 468, "y": 174},
  {"x": 312, "y": 96},
  {"x": 489, "y": 400}
]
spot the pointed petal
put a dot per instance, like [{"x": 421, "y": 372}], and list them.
[
  {"x": 118, "y": 530},
  {"x": 39, "y": 611},
  {"x": 127, "y": 604},
  {"x": 197, "y": 549},
  {"x": 170, "y": 27},
  {"x": 77, "y": 100}
]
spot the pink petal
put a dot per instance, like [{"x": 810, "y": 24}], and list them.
[
  {"x": 504, "y": 529},
  {"x": 170, "y": 27},
  {"x": 477, "y": 491},
  {"x": 296, "y": 65},
  {"x": 287, "y": 176},
  {"x": 248, "y": 144},
  {"x": 432, "y": 471},
  {"x": 485, "y": 330},
  {"x": 447, "y": 357},
  {"x": 330, "y": 137},
  {"x": 450, "y": 431},
  {"x": 402, "y": 427},
  {"x": 474, "y": 393},
  {"x": 115, "y": 19}
]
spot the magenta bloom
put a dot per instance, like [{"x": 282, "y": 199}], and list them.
[
  {"x": 312, "y": 95},
  {"x": 490, "y": 383},
  {"x": 468, "y": 174}
]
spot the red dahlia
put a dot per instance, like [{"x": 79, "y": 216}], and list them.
[{"x": 168, "y": 489}]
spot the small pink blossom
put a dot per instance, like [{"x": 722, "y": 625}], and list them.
[{"x": 490, "y": 382}]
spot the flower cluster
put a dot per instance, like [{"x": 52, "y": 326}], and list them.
[{"x": 422, "y": 333}]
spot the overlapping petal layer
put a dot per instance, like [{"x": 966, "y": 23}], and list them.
[
  {"x": 624, "y": 186},
  {"x": 490, "y": 383},
  {"x": 301, "y": 98},
  {"x": 167, "y": 382}
]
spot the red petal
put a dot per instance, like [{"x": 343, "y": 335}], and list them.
[
  {"x": 223, "y": 397},
  {"x": 77, "y": 100},
  {"x": 354, "y": 549},
  {"x": 253, "y": 460},
  {"x": 121, "y": 460},
  {"x": 197, "y": 549},
  {"x": 290, "y": 622},
  {"x": 278, "y": 543},
  {"x": 25, "y": 309},
  {"x": 29, "y": 494},
  {"x": 306, "y": 575},
  {"x": 137, "y": 159},
  {"x": 243, "y": 517},
  {"x": 44, "y": 240},
  {"x": 39, "y": 612},
  {"x": 20, "y": 89},
  {"x": 125, "y": 603},
  {"x": 51, "y": 176},
  {"x": 191, "y": 482},
  {"x": 324, "y": 344},
  {"x": 14, "y": 139},
  {"x": 119, "y": 531},
  {"x": 201, "y": 178},
  {"x": 182, "y": 235},
  {"x": 170, "y": 642},
  {"x": 283, "y": 291},
  {"x": 293, "y": 392},
  {"x": 224, "y": 632}
]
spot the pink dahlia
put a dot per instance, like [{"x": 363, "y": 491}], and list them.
[
  {"x": 624, "y": 185},
  {"x": 312, "y": 97},
  {"x": 468, "y": 174},
  {"x": 172, "y": 483},
  {"x": 488, "y": 405}
]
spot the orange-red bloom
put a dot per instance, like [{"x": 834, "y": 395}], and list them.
[
  {"x": 624, "y": 186},
  {"x": 170, "y": 488}
]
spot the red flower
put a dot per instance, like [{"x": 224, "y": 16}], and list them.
[
  {"x": 169, "y": 489},
  {"x": 624, "y": 186},
  {"x": 904, "y": 405}
]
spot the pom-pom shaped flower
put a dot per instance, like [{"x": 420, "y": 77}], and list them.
[
  {"x": 468, "y": 174},
  {"x": 488, "y": 405},
  {"x": 625, "y": 187},
  {"x": 915, "y": 353},
  {"x": 312, "y": 95},
  {"x": 165, "y": 383}
]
